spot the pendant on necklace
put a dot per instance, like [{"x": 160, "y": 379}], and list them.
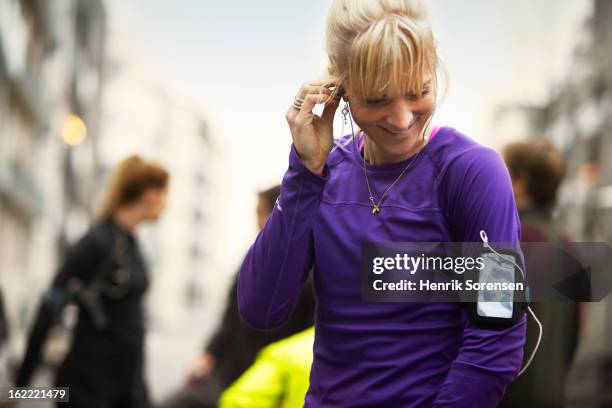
[{"x": 375, "y": 210}]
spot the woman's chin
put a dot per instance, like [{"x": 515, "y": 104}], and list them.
[{"x": 400, "y": 143}]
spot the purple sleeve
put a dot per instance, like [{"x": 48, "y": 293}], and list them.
[
  {"x": 278, "y": 263},
  {"x": 477, "y": 193}
]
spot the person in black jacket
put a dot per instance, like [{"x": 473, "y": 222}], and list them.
[
  {"x": 104, "y": 273},
  {"x": 3, "y": 346},
  {"x": 4, "y": 363},
  {"x": 234, "y": 345}
]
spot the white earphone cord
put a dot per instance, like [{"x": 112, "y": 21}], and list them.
[{"x": 485, "y": 240}]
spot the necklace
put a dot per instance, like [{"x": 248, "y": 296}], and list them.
[
  {"x": 376, "y": 205},
  {"x": 346, "y": 111}
]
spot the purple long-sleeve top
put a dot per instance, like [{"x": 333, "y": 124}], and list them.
[{"x": 386, "y": 354}]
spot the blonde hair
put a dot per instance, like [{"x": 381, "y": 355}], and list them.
[
  {"x": 365, "y": 38},
  {"x": 132, "y": 178}
]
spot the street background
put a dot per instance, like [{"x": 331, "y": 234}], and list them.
[{"x": 202, "y": 87}]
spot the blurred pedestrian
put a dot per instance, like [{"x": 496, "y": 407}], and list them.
[
  {"x": 105, "y": 274},
  {"x": 537, "y": 169},
  {"x": 278, "y": 378},
  {"x": 4, "y": 358},
  {"x": 589, "y": 379},
  {"x": 580, "y": 208},
  {"x": 234, "y": 345},
  {"x": 3, "y": 330}
]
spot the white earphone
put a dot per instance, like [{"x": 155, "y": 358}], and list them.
[{"x": 485, "y": 242}]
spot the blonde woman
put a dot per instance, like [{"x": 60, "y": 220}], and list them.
[
  {"x": 399, "y": 180},
  {"x": 105, "y": 274}
]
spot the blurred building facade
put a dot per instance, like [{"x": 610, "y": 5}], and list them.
[
  {"x": 51, "y": 63},
  {"x": 578, "y": 119},
  {"x": 57, "y": 59}
]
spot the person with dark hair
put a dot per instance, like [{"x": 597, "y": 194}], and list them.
[
  {"x": 234, "y": 345},
  {"x": 537, "y": 169},
  {"x": 105, "y": 274}
]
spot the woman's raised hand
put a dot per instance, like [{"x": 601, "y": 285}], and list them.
[{"x": 313, "y": 134}]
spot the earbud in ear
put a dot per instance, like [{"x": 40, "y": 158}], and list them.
[{"x": 340, "y": 94}]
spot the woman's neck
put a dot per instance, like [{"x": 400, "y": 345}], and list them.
[
  {"x": 128, "y": 218},
  {"x": 377, "y": 156}
]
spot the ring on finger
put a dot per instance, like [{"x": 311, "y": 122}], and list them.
[{"x": 297, "y": 103}]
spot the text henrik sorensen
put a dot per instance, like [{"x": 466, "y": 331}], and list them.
[{"x": 455, "y": 285}]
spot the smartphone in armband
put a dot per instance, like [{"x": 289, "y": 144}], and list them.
[{"x": 501, "y": 291}]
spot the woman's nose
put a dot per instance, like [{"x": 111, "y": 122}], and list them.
[{"x": 400, "y": 116}]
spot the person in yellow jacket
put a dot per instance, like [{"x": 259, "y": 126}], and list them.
[{"x": 279, "y": 377}]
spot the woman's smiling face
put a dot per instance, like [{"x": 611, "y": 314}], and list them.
[{"x": 395, "y": 122}]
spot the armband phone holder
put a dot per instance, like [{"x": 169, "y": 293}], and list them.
[{"x": 502, "y": 294}]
